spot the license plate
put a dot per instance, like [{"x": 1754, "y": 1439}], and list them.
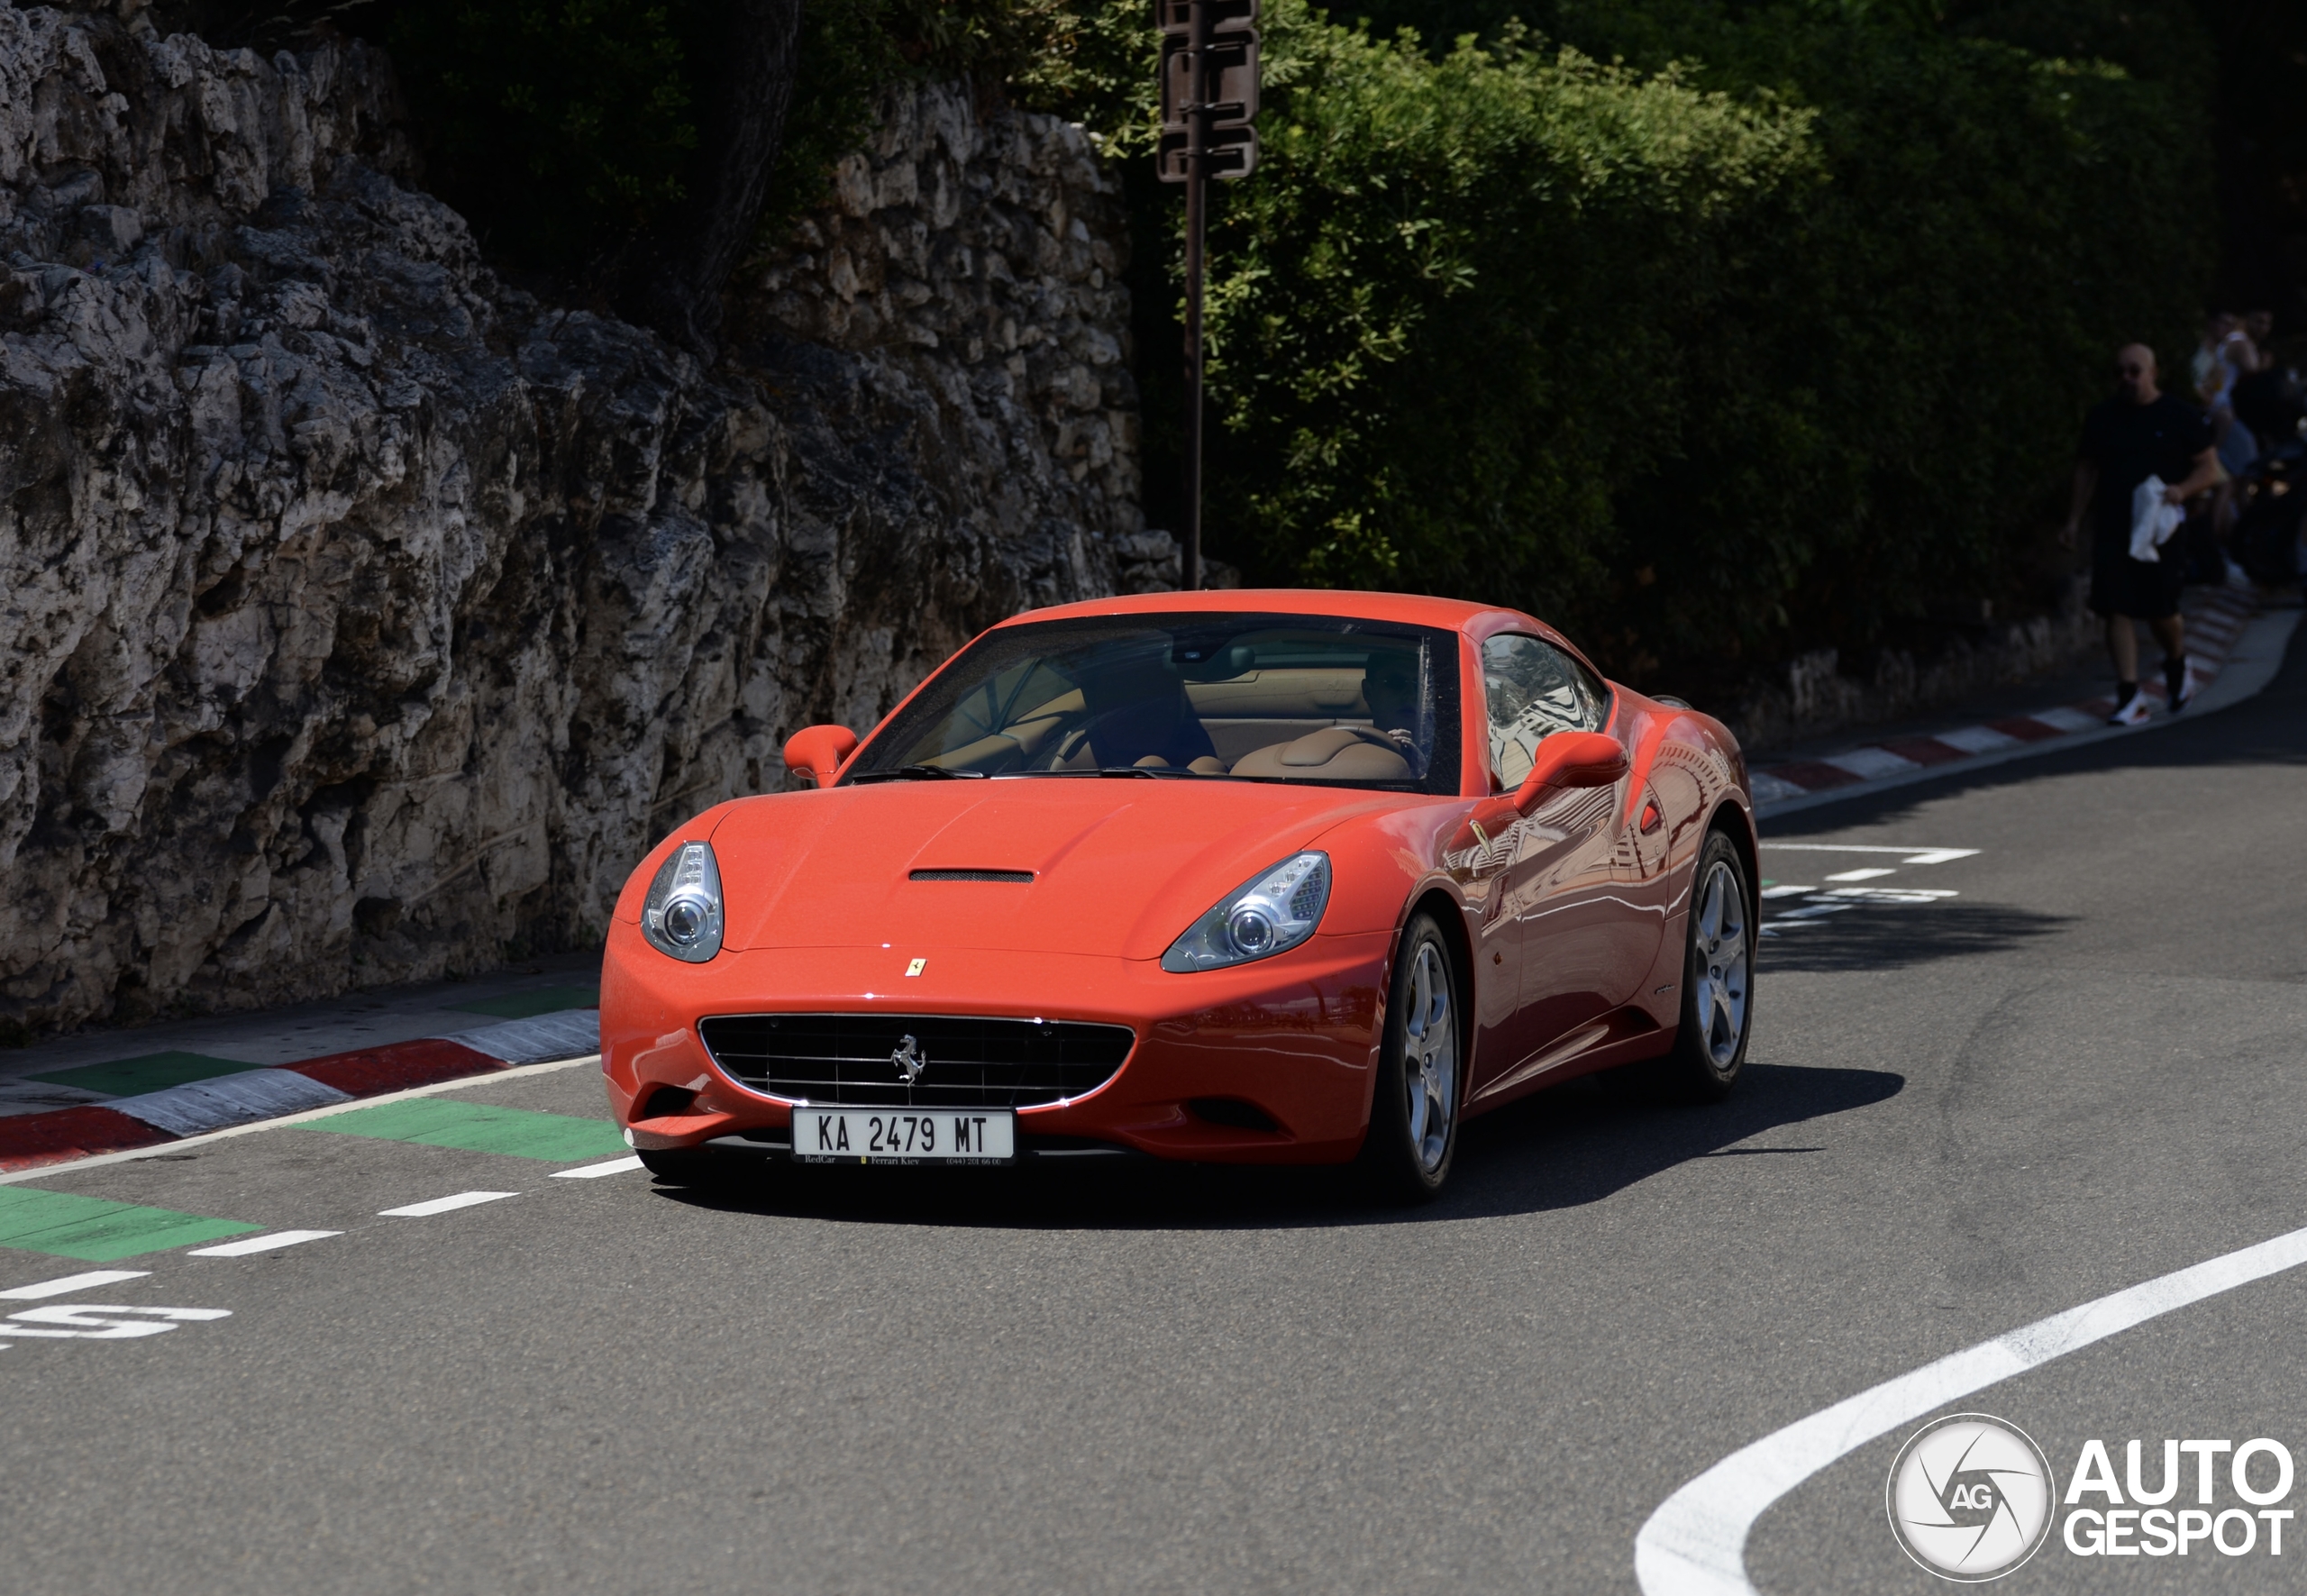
[{"x": 905, "y": 1135}]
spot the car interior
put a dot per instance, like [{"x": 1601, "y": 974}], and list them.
[{"x": 1275, "y": 707}]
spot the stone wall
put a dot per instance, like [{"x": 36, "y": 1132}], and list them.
[
  {"x": 362, "y": 619},
  {"x": 1814, "y": 695}
]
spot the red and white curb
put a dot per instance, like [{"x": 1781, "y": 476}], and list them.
[
  {"x": 2214, "y": 621},
  {"x": 148, "y": 1119}
]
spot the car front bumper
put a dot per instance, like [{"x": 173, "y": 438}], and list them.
[{"x": 1294, "y": 1036}]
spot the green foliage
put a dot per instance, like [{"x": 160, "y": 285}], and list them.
[
  {"x": 560, "y": 127},
  {"x": 852, "y": 49},
  {"x": 1770, "y": 340},
  {"x": 1712, "y": 329}
]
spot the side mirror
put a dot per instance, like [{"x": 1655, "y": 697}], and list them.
[
  {"x": 1571, "y": 759},
  {"x": 818, "y": 751}
]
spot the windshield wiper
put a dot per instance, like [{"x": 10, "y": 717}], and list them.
[
  {"x": 1155, "y": 771},
  {"x": 919, "y": 773}
]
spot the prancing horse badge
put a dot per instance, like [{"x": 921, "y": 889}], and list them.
[{"x": 909, "y": 1059}]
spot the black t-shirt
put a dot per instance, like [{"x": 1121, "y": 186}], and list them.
[{"x": 2131, "y": 443}]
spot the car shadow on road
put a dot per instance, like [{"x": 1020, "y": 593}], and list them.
[
  {"x": 1889, "y": 935},
  {"x": 1575, "y": 1144}
]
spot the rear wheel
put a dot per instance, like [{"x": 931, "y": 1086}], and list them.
[
  {"x": 1717, "y": 974},
  {"x": 1414, "y": 1110}
]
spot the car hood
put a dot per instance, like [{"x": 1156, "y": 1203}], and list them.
[{"x": 1119, "y": 867}]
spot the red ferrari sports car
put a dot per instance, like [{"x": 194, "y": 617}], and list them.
[{"x": 1240, "y": 877}]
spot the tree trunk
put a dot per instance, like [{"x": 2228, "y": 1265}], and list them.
[{"x": 673, "y": 279}]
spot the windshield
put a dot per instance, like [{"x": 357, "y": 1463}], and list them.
[{"x": 1266, "y": 697}]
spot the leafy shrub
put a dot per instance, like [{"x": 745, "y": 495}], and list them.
[
  {"x": 559, "y": 127},
  {"x": 1713, "y": 330},
  {"x": 1777, "y": 339}
]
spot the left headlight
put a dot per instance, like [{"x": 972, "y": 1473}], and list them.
[
  {"x": 681, "y": 915},
  {"x": 1271, "y": 913}
]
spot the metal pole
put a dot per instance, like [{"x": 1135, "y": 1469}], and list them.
[{"x": 1197, "y": 224}]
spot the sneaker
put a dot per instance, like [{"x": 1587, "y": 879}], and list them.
[
  {"x": 2182, "y": 686},
  {"x": 2132, "y": 712}
]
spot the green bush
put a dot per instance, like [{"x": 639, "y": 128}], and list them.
[
  {"x": 1711, "y": 330},
  {"x": 1778, "y": 339},
  {"x": 557, "y": 127},
  {"x": 563, "y": 128}
]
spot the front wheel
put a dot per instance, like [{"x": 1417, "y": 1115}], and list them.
[
  {"x": 1414, "y": 1110},
  {"x": 1718, "y": 975}
]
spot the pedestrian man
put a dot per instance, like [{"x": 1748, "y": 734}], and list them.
[{"x": 2140, "y": 432}]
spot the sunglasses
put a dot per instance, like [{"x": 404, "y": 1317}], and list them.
[{"x": 2131, "y": 370}]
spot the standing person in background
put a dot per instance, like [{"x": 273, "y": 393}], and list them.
[
  {"x": 2226, "y": 356},
  {"x": 2141, "y": 432},
  {"x": 2259, "y": 326}
]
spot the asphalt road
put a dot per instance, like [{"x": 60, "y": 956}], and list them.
[{"x": 1963, "y": 1113}]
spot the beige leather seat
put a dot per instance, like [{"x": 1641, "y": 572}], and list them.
[{"x": 1341, "y": 753}]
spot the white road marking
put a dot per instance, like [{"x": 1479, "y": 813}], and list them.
[
  {"x": 1811, "y": 911},
  {"x": 88, "y": 1281},
  {"x": 261, "y": 1243},
  {"x": 615, "y": 1166},
  {"x": 223, "y": 1100},
  {"x": 1695, "y": 1543},
  {"x": 1867, "y": 874},
  {"x": 176, "y": 1149},
  {"x": 29, "y": 1322},
  {"x": 441, "y": 1205},
  {"x": 1977, "y": 739},
  {"x": 1870, "y": 764},
  {"x": 1913, "y": 855},
  {"x": 1786, "y": 889},
  {"x": 1890, "y": 894}
]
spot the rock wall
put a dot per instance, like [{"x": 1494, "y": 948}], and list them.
[{"x": 362, "y": 619}]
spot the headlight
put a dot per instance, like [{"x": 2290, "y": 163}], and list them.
[
  {"x": 1273, "y": 912},
  {"x": 681, "y": 915}
]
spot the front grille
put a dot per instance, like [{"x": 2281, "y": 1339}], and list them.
[
  {"x": 966, "y": 1062},
  {"x": 1019, "y": 878}
]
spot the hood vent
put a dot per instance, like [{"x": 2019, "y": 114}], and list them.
[{"x": 1019, "y": 878}]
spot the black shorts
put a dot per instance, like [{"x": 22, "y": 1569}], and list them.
[{"x": 2121, "y": 585}]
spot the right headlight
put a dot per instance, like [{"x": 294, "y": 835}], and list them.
[
  {"x": 1269, "y": 914},
  {"x": 682, "y": 914}
]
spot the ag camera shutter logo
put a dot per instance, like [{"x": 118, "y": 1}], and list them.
[{"x": 1970, "y": 1497}]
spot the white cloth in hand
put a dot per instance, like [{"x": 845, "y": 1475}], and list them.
[{"x": 2152, "y": 521}]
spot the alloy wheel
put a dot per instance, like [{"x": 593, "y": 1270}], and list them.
[
  {"x": 1721, "y": 947},
  {"x": 1430, "y": 1058}
]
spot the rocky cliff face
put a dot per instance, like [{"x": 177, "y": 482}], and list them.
[{"x": 362, "y": 619}]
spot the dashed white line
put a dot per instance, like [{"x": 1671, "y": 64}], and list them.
[
  {"x": 1914, "y": 855},
  {"x": 88, "y": 1281},
  {"x": 1695, "y": 1543},
  {"x": 261, "y": 1243},
  {"x": 442, "y": 1205},
  {"x": 615, "y": 1166},
  {"x": 1867, "y": 874}
]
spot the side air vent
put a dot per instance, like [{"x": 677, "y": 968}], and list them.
[{"x": 1019, "y": 878}]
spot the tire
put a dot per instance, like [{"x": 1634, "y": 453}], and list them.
[
  {"x": 1414, "y": 1107},
  {"x": 1718, "y": 975}
]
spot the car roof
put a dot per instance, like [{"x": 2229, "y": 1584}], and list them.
[{"x": 1414, "y": 608}]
